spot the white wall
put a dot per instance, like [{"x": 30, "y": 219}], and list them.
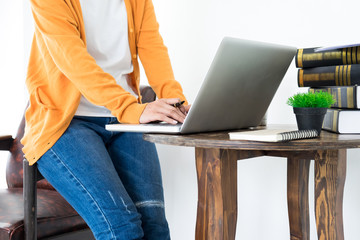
[
  {"x": 12, "y": 97},
  {"x": 192, "y": 31}
]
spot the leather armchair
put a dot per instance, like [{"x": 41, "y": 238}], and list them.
[{"x": 30, "y": 208}]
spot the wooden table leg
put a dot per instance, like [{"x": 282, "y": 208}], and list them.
[
  {"x": 298, "y": 198},
  {"x": 217, "y": 194},
  {"x": 330, "y": 172}
]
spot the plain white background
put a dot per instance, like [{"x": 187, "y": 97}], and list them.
[{"x": 192, "y": 30}]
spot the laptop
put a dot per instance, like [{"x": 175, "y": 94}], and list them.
[{"x": 236, "y": 92}]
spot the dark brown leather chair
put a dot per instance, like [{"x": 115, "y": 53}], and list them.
[{"x": 30, "y": 208}]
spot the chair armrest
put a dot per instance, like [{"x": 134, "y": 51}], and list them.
[
  {"x": 147, "y": 94},
  {"x": 6, "y": 142}
]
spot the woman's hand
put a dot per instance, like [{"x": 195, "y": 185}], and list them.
[{"x": 164, "y": 111}]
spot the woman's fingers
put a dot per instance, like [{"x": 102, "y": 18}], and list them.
[
  {"x": 162, "y": 110},
  {"x": 185, "y": 109}
]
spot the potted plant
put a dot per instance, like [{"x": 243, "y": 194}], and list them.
[{"x": 310, "y": 108}]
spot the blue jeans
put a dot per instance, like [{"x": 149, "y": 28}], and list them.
[{"x": 112, "y": 180}]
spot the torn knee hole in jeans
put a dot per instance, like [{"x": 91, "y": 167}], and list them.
[{"x": 150, "y": 203}]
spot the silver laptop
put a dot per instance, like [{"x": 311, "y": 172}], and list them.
[{"x": 236, "y": 92}]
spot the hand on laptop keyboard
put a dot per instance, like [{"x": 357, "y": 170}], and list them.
[{"x": 163, "y": 110}]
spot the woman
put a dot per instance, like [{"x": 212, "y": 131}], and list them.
[{"x": 83, "y": 73}]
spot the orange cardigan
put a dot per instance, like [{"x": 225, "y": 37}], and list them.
[{"x": 60, "y": 70}]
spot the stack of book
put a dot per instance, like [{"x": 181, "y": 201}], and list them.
[{"x": 336, "y": 70}]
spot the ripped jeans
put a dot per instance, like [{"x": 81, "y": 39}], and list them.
[{"x": 112, "y": 180}]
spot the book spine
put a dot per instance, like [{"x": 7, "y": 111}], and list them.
[
  {"x": 345, "y": 97},
  {"x": 343, "y": 75},
  {"x": 307, "y": 57},
  {"x": 331, "y": 120}
]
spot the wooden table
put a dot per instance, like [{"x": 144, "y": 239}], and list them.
[{"x": 216, "y": 165}]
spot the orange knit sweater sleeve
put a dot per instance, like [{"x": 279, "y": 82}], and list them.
[{"x": 154, "y": 56}]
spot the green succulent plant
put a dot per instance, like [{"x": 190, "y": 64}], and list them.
[{"x": 311, "y": 100}]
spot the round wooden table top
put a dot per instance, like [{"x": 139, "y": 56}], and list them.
[{"x": 327, "y": 140}]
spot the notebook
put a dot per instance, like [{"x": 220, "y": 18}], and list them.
[
  {"x": 273, "y": 135},
  {"x": 236, "y": 92}
]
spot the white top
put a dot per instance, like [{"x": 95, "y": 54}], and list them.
[{"x": 106, "y": 30}]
